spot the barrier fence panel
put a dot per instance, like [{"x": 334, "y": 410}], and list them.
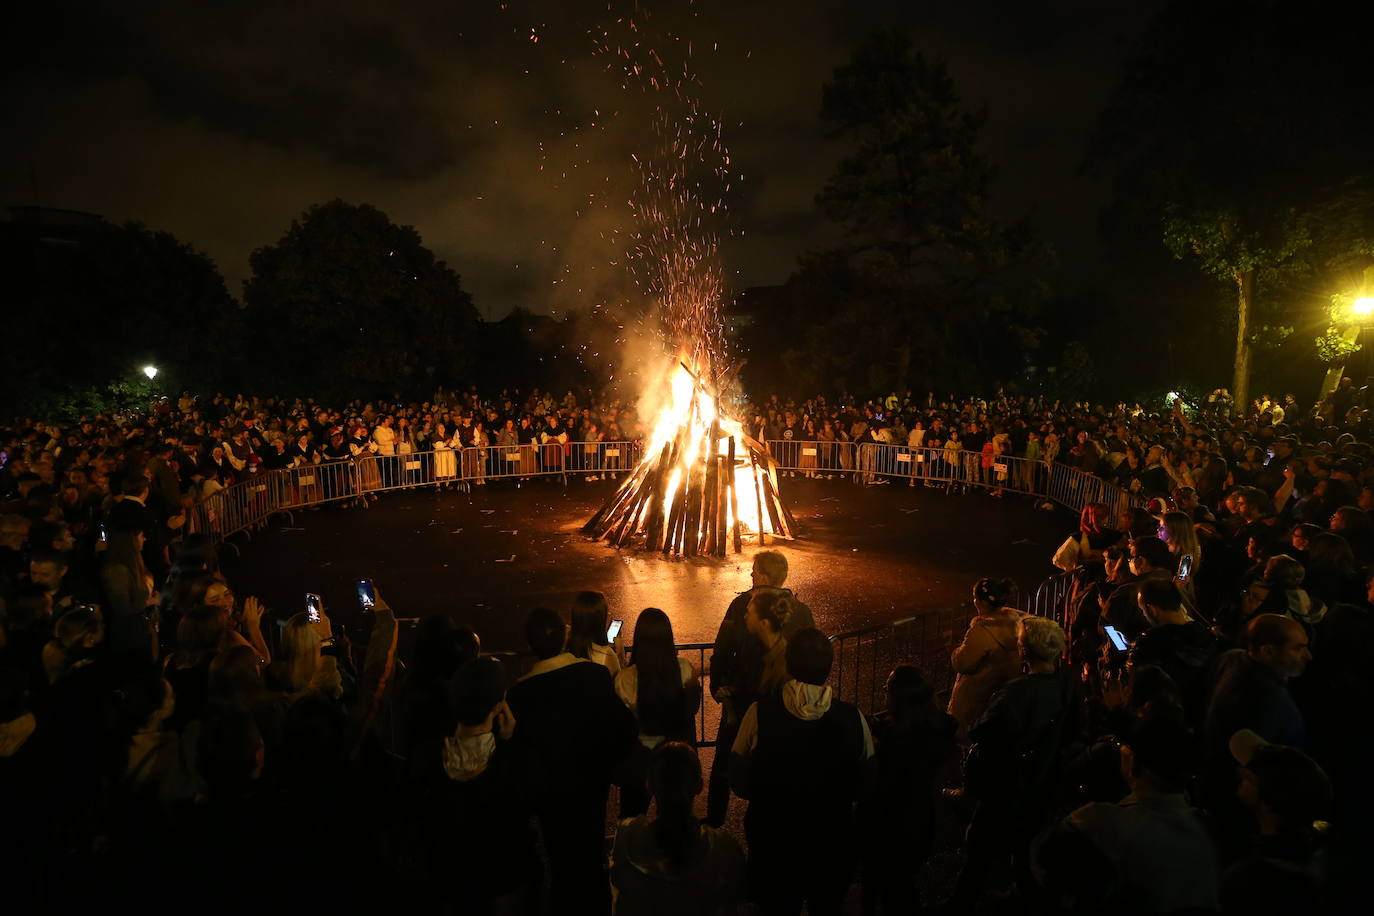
[
  {"x": 706, "y": 719},
  {"x": 864, "y": 658},
  {"x": 316, "y": 484},
  {"x": 1050, "y": 599},
  {"x": 870, "y": 463},
  {"x": 382, "y": 473}
]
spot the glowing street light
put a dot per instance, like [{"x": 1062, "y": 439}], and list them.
[
  {"x": 1363, "y": 306},
  {"x": 151, "y": 371}
]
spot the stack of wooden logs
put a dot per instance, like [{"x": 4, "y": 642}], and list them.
[{"x": 697, "y": 522}]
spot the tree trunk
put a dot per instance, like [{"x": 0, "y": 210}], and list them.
[{"x": 1240, "y": 384}]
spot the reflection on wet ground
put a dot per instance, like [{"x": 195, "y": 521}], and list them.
[{"x": 865, "y": 555}]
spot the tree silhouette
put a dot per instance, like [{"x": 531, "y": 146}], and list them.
[{"x": 349, "y": 303}]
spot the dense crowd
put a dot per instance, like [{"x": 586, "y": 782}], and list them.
[{"x": 1187, "y": 740}]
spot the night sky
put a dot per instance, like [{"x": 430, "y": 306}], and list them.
[{"x": 510, "y": 155}]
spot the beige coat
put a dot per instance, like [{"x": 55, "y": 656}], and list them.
[{"x": 986, "y": 659}]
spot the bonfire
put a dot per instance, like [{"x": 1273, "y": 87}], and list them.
[{"x": 702, "y": 486}]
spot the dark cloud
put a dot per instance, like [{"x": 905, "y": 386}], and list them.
[{"x": 510, "y": 155}]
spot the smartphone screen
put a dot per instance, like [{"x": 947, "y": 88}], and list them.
[
  {"x": 614, "y": 630},
  {"x": 1185, "y": 566},
  {"x": 367, "y": 595},
  {"x": 104, "y": 535},
  {"x": 312, "y": 606},
  {"x": 1117, "y": 639}
]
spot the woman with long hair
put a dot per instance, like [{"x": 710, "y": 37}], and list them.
[
  {"x": 1176, "y": 529},
  {"x": 662, "y": 691},
  {"x": 129, "y": 595},
  {"x": 236, "y": 681},
  {"x": 587, "y": 632},
  {"x": 199, "y": 633},
  {"x": 1333, "y": 574},
  {"x": 988, "y": 657},
  {"x": 245, "y": 616},
  {"x": 672, "y": 862},
  {"x": 301, "y": 667}
]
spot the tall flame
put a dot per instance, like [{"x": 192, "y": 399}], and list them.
[{"x": 690, "y": 405}]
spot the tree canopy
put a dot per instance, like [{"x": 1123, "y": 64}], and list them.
[
  {"x": 91, "y": 303},
  {"x": 926, "y": 288},
  {"x": 1238, "y": 137},
  {"x": 349, "y": 302}
]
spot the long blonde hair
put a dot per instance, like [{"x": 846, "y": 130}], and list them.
[
  {"x": 300, "y": 655},
  {"x": 1183, "y": 537}
]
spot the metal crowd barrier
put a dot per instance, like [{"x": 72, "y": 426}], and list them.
[
  {"x": 252, "y": 501},
  {"x": 1051, "y": 599},
  {"x": 862, "y": 657},
  {"x": 870, "y": 463},
  {"x": 478, "y": 464}
]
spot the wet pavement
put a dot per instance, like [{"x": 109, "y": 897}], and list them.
[{"x": 864, "y": 555}]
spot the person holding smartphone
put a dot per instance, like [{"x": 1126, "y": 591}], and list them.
[
  {"x": 1183, "y": 647},
  {"x": 589, "y": 635}
]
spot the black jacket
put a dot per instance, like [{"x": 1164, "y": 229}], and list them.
[
  {"x": 737, "y": 658},
  {"x": 571, "y": 731}
]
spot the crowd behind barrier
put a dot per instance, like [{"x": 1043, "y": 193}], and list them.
[{"x": 1165, "y": 726}]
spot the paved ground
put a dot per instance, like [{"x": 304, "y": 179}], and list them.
[{"x": 864, "y": 555}]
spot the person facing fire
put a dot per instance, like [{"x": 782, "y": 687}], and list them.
[{"x": 737, "y": 663}]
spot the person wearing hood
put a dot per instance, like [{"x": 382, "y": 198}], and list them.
[
  {"x": 801, "y": 759},
  {"x": 737, "y": 662},
  {"x": 473, "y": 813}
]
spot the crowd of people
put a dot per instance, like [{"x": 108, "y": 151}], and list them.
[{"x": 1180, "y": 740}]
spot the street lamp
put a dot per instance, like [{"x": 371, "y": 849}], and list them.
[
  {"x": 1358, "y": 314},
  {"x": 151, "y": 371}
]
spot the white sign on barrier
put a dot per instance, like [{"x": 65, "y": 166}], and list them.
[
  {"x": 612, "y": 453},
  {"x": 412, "y": 465},
  {"x": 1000, "y": 468},
  {"x": 306, "y": 481},
  {"x": 906, "y": 458},
  {"x": 262, "y": 488},
  {"x": 808, "y": 451},
  {"x": 920, "y": 457},
  {"x": 512, "y": 456}
]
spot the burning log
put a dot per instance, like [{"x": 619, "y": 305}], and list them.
[
  {"x": 734, "y": 499},
  {"x": 684, "y": 498}
]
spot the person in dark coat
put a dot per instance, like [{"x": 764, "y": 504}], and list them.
[
  {"x": 468, "y": 798},
  {"x": 801, "y": 759},
  {"x": 1183, "y": 647},
  {"x": 1251, "y": 692},
  {"x": 914, "y": 743},
  {"x": 1013, "y": 762},
  {"x": 573, "y": 731}
]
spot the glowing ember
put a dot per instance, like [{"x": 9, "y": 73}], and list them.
[{"x": 703, "y": 484}]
